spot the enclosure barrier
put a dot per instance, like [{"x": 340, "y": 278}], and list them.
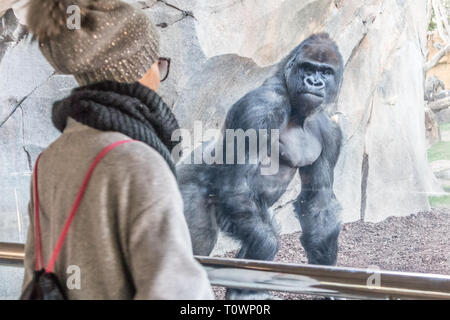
[{"x": 306, "y": 279}]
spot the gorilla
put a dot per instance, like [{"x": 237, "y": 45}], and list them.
[{"x": 236, "y": 198}]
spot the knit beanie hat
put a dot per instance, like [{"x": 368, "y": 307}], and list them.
[{"x": 115, "y": 41}]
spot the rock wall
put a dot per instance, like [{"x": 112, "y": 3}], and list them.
[
  {"x": 383, "y": 169},
  {"x": 222, "y": 49}
]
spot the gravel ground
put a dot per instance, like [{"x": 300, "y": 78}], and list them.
[{"x": 416, "y": 243}]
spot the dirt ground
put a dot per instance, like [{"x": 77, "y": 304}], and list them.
[{"x": 416, "y": 243}]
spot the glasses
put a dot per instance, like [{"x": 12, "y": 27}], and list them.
[{"x": 164, "y": 68}]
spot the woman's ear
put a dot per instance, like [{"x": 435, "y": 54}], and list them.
[{"x": 152, "y": 78}]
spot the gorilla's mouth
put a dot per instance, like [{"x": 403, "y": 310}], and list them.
[
  {"x": 310, "y": 100},
  {"x": 314, "y": 94}
]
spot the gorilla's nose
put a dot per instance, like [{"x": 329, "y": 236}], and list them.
[{"x": 314, "y": 82}]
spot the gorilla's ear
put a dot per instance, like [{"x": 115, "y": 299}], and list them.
[{"x": 291, "y": 62}]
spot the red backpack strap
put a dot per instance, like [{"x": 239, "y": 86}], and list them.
[{"x": 57, "y": 250}]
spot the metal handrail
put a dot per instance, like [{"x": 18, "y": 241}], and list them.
[
  {"x": 301, "y": 278},
  {"x": 12, "y": 254}
]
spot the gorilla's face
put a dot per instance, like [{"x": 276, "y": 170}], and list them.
[{"x": 312, "y": 77}]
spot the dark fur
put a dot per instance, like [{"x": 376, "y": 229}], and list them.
[{"x": 237, "y": 198}]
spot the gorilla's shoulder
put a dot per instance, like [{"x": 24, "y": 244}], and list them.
[
  {"x": 261, "y": 102},
  {"x": 262, "y": 97}
]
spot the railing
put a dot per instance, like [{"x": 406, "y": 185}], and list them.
[
  {"x": 12, "y": 254},
  {"x": 306, "y": 279}
]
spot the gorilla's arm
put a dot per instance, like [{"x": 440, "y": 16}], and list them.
[{"x": 317, "y": 206}]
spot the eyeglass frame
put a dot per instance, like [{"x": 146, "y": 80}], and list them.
[{"x": 168, "y": 67}]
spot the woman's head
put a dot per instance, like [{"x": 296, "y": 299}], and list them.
[{"x": 111, "y": 40}]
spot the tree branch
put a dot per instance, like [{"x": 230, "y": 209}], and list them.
[{"x": 436, "y": 58}]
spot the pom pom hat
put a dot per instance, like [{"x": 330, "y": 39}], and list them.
[{"x": 114, "y": 42}]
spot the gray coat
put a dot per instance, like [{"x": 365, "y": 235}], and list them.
[{"x": 129, "y": 238}]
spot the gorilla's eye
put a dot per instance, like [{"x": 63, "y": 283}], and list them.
[
  {"x": 308, "y": 69},
  {"x": 328, "y": 72}
]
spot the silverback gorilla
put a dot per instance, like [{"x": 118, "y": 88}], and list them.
[{"x": 237, "y": 198}]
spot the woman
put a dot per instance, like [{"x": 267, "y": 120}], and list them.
[{"x": 128, "y": 239}]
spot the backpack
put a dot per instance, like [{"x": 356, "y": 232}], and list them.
[{"x": 45, "y": 284}]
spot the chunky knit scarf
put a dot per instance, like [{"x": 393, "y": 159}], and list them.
[{"x": 131, "y": 109}]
